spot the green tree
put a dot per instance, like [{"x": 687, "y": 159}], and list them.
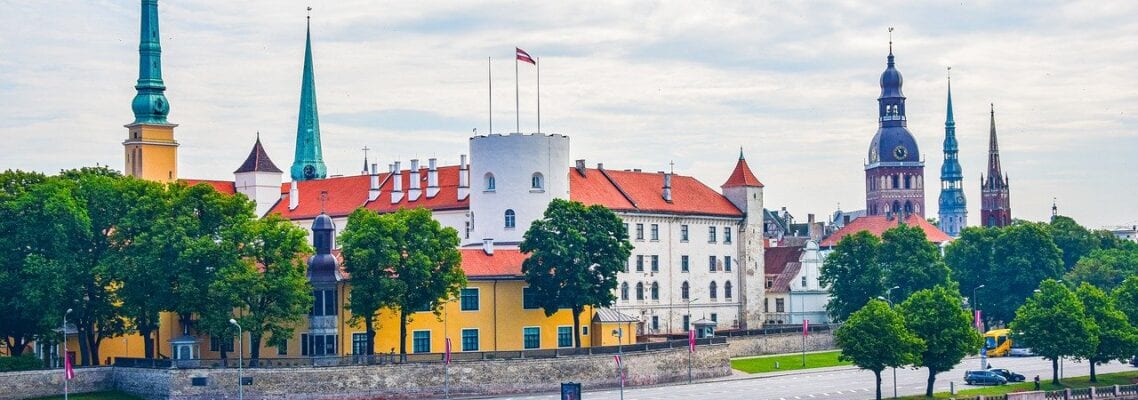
[
  {"x": 575, "y": 253},
  {"x": 1023, "y": 255},
  {"x": 853, "y": 274},
  {"x": 1054, "y": 324},
  {"x": 144, "y": 281},
  {"x": 910, "y": 261},
  {"x": 938, "y": 317},
  {"x": 969, "y": 257},
  {"x": 1117, "y": 339},
  {"x": 875, "y": 338},
  {"x": 370, "y": 247},
  {"x": 1126, "y": 299},
  {"x": 1073, "y": 239},
  {"x": 269, "y": 285},
  {"x": 1104, "y": 268}
]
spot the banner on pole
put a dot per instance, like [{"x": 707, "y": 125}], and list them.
[
  {"x": 68, "y": 370},
  {"x": 805, "y": 327},
  {"x": 447, "y": 357},
  {"x": 691, "y": 340},
  {"x": 619, "y": 368},
  {"x": 977, "y": 319}
]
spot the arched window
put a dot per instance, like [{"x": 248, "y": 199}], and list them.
[
  {"x": 537, "y": 182},
  {"x": 896, "y": 181},
  {"x": 908, "y": 207},
  {"x": 712, "y": 289},
  {"x": 908, "y": 181},
  {"x": 727, "y": 290},
  {"x": 896, "y": 206},
  {"x": 684, "y": 291},
  {"x": 639, "y": 290},
  {"x": 624, "y": 291},
  {"x": 511, "y": 220},
  {"x": 490, "y": 183},
  {"x": 655, "y": 291}
]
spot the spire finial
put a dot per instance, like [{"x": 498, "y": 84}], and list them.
[
  {"x": 672, "y": 167},
  {"x": 258, "y": 136},
  {"x": 890, "y": 40},
  {"x": 309, "y": 16},
  {"x": 992, "y": 110},
  {"x": 740, "y": 152},
  {"x": 949, "y": 74}
]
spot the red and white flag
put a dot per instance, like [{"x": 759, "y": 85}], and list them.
[
  {"x": 691, "y": 340},
  {"x": 524, "y": 57},
  {"x": 977, "y": 319},
  {"x": 447, "y": 357},
  {"x": 68, "y": 371},
  {"x": 619, "y": 368},
  {"x": 805, "y": 327}
]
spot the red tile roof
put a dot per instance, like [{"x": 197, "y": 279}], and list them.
[
  {"x": 503, "y": 263},
  {"x": 775, "y": 259},
  {"x": 446, "y": 199},
  {"x": 782, "y": 281},
  {"x": 878, "y": 224},
  {"x": 344, "y": 195},
  {"x": 226, "y": 187},
  {"x": 643, "y": 192},
  {"x": 742, "y": 175}
]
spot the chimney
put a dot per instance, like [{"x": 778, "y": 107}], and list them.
[
  {"x": 581, "y": 167},
  {"x": 414, "y": 185},
  {"x": 810, "y": 226},
  {"x": 373, "y": 190},
  {"x": 601, "y": 166},
  {"x": 432, "y": 177},
  {"x": 293, "y": 196},
  {"x": 463, "y": 178},
  {"x": 488, "y": 246},
  {"x": 668, "y": 187},
  {"x": 396, "y": 184}
]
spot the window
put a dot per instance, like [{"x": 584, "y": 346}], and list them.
[
  {"x": 683, "y": 263},
  {"x": 779, "y": 305},
  {"x": 304, "y": 344},
  {"x": 469, "y": 340},
  {"x": 711, "y": 234},
  {"x": 624, "y": 291},
  {"x": 511, "y": 220},
  {"x": 714, "y": 317},
  {"x": 711, "y": 263},
  {"x": 684, "y": 290},
  {"x": 216, "y": 344},
  {"x": 687, "y": 322},
  {"x": 626, "y": 229},
  {"x": 639, "y": 263},
  {"x": 317, "y": 345},
  {"x": 908, "y": 182},
  {"x": 655, "y": 291},
  {"x": 655, "y": 231},
  {"x": 655, "y": 263},
  {"x": 766, "y": 305},
  {"x": 537, "y": 182},
  {"x": 469, "y": 299},
  {"x": 713, "y": 290},
  {"x": 803, "y": 284},
  {"x": 727, "y": 263},
  {"x": 531, "y": 337},
  {"x": 565, "y": 336},
  {"x": 282, "y": 349},
  {"x": 770, "y": 282},
  {"x": 639, "y": 231},
  {"x": 896, "y": 180},
  {"x": 727, "y": 290},
  {"x": 324, "y": 302},
  {"x": 529, "y": 302},
  {"x": 727, "y": 234},
  {"x": 490, "y": 184},
  {"x": 639, "y": 290},
  {"x": 655, "y": 323},
  {"x": 585, "y": 330},
  {"x": 421, "y": 342},
  {"x": 683, "y": 233},
  {"x": 359, "y": 343}
]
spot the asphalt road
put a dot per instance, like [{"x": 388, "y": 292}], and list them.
[{"x": 832, "y": 383}]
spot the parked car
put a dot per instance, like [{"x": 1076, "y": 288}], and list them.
[
  {"x": 1021, "y": 352},
  {"x": 982, "y": 377},
  {"x": 1009, "y": 375}
]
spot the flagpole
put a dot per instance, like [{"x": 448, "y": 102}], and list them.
[
  {"x": 538, "y": 65},
  {"x": 490, "y": 95},
  {"x": 517, "y": 101}
]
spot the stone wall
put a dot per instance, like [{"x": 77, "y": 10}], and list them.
[
  {"x": 743, "y": 346},
  {"x": 29, "y": 384},
  {"x": 418, "y": 381}
]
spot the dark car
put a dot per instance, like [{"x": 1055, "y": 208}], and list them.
[
  {"x": 1009, "y": 375},
  {"x": 983, "y": 378}
]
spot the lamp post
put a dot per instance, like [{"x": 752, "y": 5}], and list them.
[
  {"x": 240, "y": 360},
  {"x": 689, "y": 333},
  {"x": 889, "y": 299},
  {"x": 619, "y": 333},
  {"x": 976, "y": 314},
  {"x": 64, "y": 332}
]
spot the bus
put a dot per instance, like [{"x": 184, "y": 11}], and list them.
[{"x": 998, "y": 342}]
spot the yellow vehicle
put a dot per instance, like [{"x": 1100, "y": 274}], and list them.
[{"x": 998, "y": 342}]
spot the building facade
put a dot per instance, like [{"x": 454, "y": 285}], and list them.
[{"x": 894, "y": 173}]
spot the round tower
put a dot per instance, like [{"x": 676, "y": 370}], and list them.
[{"x": 512, "y": 180}]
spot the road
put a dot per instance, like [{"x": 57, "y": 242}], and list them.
[{"x": 832, "y": 383}]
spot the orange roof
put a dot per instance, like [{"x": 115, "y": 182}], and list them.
[
  {"x": 643, "y": 191},
  {"x": 878, "y": 224},
  {"x": 446, "y": 199},
  {"x": 344, "y": 195},
  {"x": 503, "y": 263},
  {"x": 226, "y": 187},
  {"x": 742, "y": 175}
]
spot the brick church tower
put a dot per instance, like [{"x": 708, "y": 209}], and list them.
[
  {"x": 894, "y": 176},
  {"x": 996, "y": 208}
]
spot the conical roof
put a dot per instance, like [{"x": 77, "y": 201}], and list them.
[
  {"x": 742, "y": 175},
  {"x": 258, "y": 160}
]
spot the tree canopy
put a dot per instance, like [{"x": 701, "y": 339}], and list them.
[
  {"x": 853, "y": 274},
  {"x": 938, "y": 317},
  {"x": 910, "y": 261},
  {"x": 1023, "y": 256},
  {"x": 1104, "y": 268},
  {"x": 875, "y": 338},
  {"x": 1117, "y": 339},
  {"x": 1054, "y": 324},
  {"x": 575, "y": 253},
  {"x": 370, "y": 248}
]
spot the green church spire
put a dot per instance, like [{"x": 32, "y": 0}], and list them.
[
  {"x": 150, "y": 105},
  {"x": 309, "y": 160}
]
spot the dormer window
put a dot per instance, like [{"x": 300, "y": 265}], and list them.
[
  {"x": 537, "y": 182},
  {"x": 491, "y": 185}
]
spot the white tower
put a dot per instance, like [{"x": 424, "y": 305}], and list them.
[
  {"x": 746, "y": 192},
  {"x": 512, "y": 180},
  {"x": 259, "y": 179}
]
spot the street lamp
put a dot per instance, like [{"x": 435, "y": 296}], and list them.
[
  {"x": 240, "y": 360},
  {"x": 619, "y": 333},
  {"x": 64, "y": 332},
  {"x": 976, "y": 314},
  {"x": 689, "y": 335}
]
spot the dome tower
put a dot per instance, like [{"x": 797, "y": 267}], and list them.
[{"x": 894, "y": 175}]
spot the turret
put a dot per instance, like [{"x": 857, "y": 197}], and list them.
[{"x": 259, "y": 179}]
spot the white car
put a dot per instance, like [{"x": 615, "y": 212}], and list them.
[{"x": 1021, "y": 352}]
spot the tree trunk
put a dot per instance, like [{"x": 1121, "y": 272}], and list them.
[
  {"x": 577, "y": 326},
  {"x": 254, "y": 349},
  {"x": 877, "y": 378},
  {"x": 1055, "y": 371},
  {"x": 402, "y": 335},
  {"x": 96, "y": 340},
  {"x": 17, "y": 347},
  {"x": 932, "y": 380},
  {"x": 1093, "y": 377},
  {"x": 147, "y": 342},
  {"x": 84, "y": 351},
  {"x": 370, "y": 336}
]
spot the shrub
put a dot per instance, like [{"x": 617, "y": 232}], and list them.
[{"x": 22, "y": 363}]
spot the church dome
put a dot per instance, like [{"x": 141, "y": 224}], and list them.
[
  {"x": 893, "y": 144},
  {"x": 891, "y": 80}
]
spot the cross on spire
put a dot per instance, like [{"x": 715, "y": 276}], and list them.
[{"x": 890, "y": 39}]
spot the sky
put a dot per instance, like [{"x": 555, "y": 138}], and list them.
[{"x": 635, "y": 84}]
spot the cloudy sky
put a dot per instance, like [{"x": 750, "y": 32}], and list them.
[{"x": 636, "y": 84}]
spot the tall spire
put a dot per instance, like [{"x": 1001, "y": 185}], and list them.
[
  {"x": 953, "y": 212},
  {"x": 150, "y": 105},
  {"x": 309, "y": 160},
  {"x": 994, "y": 173},
  {"x": 996, "y": 209},
  {"x": 948, "y": 120}
]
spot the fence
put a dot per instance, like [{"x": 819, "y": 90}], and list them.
[
  {"x": 1099, "y": 392},
  {"x": 766, "y": 330},
  {"x": 391, "y": 358}
]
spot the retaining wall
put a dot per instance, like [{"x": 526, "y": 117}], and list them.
[
  {"x": 743, "y": 346},
  {"x": 29, "y": 384}
]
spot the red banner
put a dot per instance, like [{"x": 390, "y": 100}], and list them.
[
  {"x": 691, "y": 340},
  {"x": 68, "y": 371},
  {"x": 447, "y": 357},
  {"x": 805, "y": 327}
]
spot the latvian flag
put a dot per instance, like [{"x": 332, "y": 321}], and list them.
[{"x": 524, "y": 57}]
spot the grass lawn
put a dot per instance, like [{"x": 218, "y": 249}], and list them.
[
  {"x": 1118, "y": 378},
  {"x": 787, "y": 362},
  {"x": 94, "y": 396}
]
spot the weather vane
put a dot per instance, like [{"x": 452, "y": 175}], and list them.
[{"x": 891, "y": 39}]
